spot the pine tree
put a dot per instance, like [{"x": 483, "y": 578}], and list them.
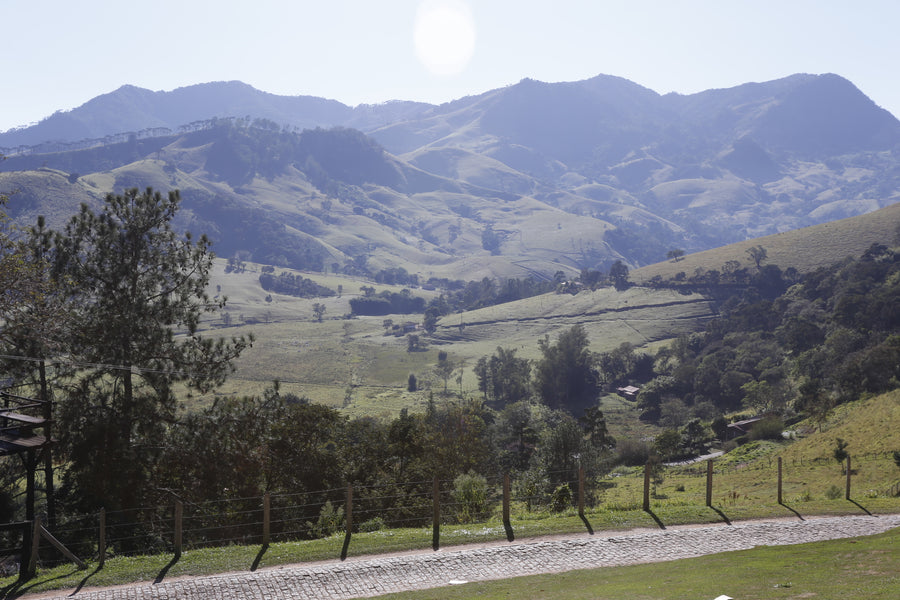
[{"x": 140, "y": 292}]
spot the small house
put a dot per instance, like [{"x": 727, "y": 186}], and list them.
[{"x": 629, "y": 392}]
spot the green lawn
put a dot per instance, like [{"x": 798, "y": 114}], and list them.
[{"x": 849, "y": 569}]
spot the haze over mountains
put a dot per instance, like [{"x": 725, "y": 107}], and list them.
[{"x": 527, "y": 179}]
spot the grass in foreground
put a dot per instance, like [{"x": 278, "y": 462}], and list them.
[
  {"x": 867, "y": 567},
  {"x": 129, "y": 569}
]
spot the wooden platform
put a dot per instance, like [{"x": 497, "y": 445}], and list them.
[{"x": 14, "y": 444}]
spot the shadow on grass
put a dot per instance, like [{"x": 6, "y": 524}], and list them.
[
  {"x": 587, "y": 524},
  {"x": 655, "y": 518},
  {"x": 799, "y": 516},
  {"x": 510, "y": 536},
  {"x": 19, "y": 587},
  {"x": 346, "y": 547},
  {"x": 721, "y": 514},
  {"x": 259, "y": 556},
  {"x": 86, "y": 578},
  {"x": 861, "y": 507},
  {"x": 165, "y": 570}
]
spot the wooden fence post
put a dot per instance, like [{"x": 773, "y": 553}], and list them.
[
  {"x": 31, "y": 568},
  {"x": 436, "y": 517},
  {"x": 780, "y": 497},
  {"x": 101, "y": 544},
  {"x": 647, "y": 487},
  {"x": 506, "y": 499},
  {"x": 709, "y": 482},
  {"x": 267, "y": 514},
  {"x": 179, "y": 514},
  {"x": 348, "y": 511},
  {"x": 848, "y": 477},
  {"x": 581, "y": 492}
]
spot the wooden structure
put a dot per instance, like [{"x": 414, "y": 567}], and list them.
[{"x": 25, "y": 431}]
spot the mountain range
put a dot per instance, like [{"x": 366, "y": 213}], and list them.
[{"x": 529, "y": 179}]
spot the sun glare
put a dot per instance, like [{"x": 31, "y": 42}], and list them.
[{"x": 444, "y": 36}]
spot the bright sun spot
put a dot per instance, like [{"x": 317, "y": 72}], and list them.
[{"x": 444, "y": 36}]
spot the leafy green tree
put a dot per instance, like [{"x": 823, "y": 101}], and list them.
[
  {"x": 840, "y": 453},
  {"x": 319, "y": 311},
  {"x": 565, "y": 376},
  {"x": 668, "y": 444},
  {"x": 515, "y": 433},
  {"x": 136, "y": 284},
  {"x": 444, "y": 368},
  {"x": 618, "y": 273},
  {"x": 504, "y": 378},
  {"x": 430, "y": 319},
  {"x": 695, "y": 436},
  {"x": 597, "y": 434},
  {"x": 757, "y": 254}
]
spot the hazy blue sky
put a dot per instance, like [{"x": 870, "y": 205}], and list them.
[{"x": 59, "y": 54}]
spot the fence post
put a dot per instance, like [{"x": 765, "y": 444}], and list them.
[
  {"x": 647, "y": 487},
  {"x": 101, "y": 543},
  {"x": 506, "y": 499},
  {"x": 348, "y": 511},
  {"x": 267, "y": 510},
  {"x": 436, "y": 517},
  {"x": 581, "y": 491},
  {"x": 179, "y": 513},
  {"x": 779, "y": 482},
  {"x": 25, "y": 572},
  {"x": 31, "y": 568},
  {"x": 709, "y": 482},
  {"x": 848, "y": 477}
]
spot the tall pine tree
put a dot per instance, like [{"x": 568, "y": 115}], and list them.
[{"x": 140, "y": 292}]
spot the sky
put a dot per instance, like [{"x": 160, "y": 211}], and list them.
[{"x": 59, "y": 54}]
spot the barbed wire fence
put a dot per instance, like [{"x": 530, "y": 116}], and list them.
[{"x": 274, "y": 518}]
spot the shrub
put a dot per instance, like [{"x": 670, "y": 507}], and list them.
[
  {"x": 561, "y": 500},
  {"x": 376, "y": 524},
  {"x": 833, "y": 493},
  {"x": 330, "y": 521},
  {"x": 470, "y": 494}
]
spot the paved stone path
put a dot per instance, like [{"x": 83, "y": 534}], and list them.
[{"x": 372, "y": 576}]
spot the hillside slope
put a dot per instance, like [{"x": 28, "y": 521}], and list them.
[{"x": 564, "y": 176}]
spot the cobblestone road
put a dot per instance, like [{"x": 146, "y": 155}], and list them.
[{"x": 372, "y": 576}]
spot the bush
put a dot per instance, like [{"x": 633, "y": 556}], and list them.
[
  {"x": 470, "y": 494},
  {"x": 330, "y": 521},
  {"x": 376, "y": 524},
  {"x": 561, "y": 500},
  {"x": 833, "y": 493}
]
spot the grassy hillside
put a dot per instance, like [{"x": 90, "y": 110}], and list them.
[{"x": 804, "y": 249}]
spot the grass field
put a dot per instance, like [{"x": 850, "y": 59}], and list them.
[{"x": 861, "y": 568}]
